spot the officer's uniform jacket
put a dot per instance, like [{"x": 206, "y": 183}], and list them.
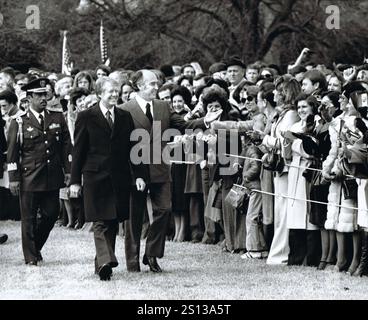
[{"x": 38, "y": 157}]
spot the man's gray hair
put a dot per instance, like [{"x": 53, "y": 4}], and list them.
[{"x": 100, "y": 83}]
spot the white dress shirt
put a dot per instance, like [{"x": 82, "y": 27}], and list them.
[
  {"x": 142, "y": 103},
  {"x": 104, "y": 110},
  {"x": 37, "y": 115}
]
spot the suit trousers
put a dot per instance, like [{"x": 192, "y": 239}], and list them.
[
  {"x": 196, "y": 216},
  {"x": 104, "y": 233},
  {"x": 39, "y": 212},
  {"x": 160, "y": 194}
]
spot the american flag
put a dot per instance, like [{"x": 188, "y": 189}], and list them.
[
  {"x": 67, "y": 64},
  {"x": 103, "y": 46}
]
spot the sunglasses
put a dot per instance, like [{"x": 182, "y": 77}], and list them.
[
  {"x": 248, "y": 99},
  {"x": 326, "y": 105},
  {"x": 266, "y": 76}
]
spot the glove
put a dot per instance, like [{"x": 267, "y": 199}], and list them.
[{"x": 359, "y": 123}]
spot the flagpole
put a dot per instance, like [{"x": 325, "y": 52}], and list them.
[
  {"x": 102, "y": 40},
  {"x": 63, "y": 53}
]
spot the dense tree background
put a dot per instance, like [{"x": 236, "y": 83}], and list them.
[{"x": 157, "y": 32}]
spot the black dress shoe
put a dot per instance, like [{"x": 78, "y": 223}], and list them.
[
  {"x": 135, "y": 269},
  {"x": 152, "y": 263},
  {"x": 39, "y": 257},
  {"x": 32, "y": 263},
  {"x": 3, "y": 238},
  {"x": 105, "y": 272}
]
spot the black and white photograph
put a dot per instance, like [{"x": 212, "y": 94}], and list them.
[{"x": 199, "y": 152}]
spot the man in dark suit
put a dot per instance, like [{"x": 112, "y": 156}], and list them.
[
  {"x": 9, "y": 204},
  {"x": 155, "y": 117},
  {"x": 3, "y": 236},
  {"x": 102, "y": 155},
  {"x": 38, "y": 164}
]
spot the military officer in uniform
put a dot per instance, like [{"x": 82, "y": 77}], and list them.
[{"x": 39, "y": 165}]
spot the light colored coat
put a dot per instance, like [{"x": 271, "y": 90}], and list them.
[
  {"x": 340, "y": 219},
  {"x": 279, "y": 250},
  {"x": 298, "y": 211}
]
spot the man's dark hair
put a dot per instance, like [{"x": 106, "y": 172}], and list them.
[
  {"x": 316, "y": 76},
  {"x": 188, "y": 65},
  {"x": 181, "y": 78},
  {"x": 9, "y": 96},
  {"x": 103, "y": 67}
]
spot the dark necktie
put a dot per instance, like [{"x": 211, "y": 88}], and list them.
[
  {"x": 42, "y": 123},
  {"x": 109, "y": 119},
  {"x": 148, "y": 113}
]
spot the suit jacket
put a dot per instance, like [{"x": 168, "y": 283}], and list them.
[
  {"x": 2, "y": 147},
  {"x": 153, "y": 146},
  {"x": 102, "y": 157},
  {"x": 41, "y": 159}
]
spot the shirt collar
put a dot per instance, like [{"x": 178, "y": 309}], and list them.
[
  {"x": 36, "y": 114},
  {"x": 142, "y": 103},
  {"x": 104, "y": 110}
]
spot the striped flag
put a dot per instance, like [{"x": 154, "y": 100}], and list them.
[
  {"x": 103, "y": 46},
  {"x": 67, "y": 64}
]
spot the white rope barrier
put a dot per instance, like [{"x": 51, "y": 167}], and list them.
[
  {"x": 293, "y": 198},
  {"x": 288, "y": 165}
]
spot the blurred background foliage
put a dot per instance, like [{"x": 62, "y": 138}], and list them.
[{"x": 157, "y": 32}]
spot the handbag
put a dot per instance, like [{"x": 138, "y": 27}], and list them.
[
  {"x": 236, "y": 196},
  {"x": 213, "y": 208},
  {"x": 350, "y": 189},
  {"x": 273, "y": 161}
]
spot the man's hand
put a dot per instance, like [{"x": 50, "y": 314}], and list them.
[
  {"x": 203, "y": 164},
  {"x": 288, "y": 135},
  {"x": 14, "y": 188},
  {"x": 140, "y": 184},
  {"x": 212, "y": 116},
  {"x": 304, "y": 52},
  {"x": 75, "y": 191},
  {"x": 257, "y": 135},
  {"x": 67, "y": 178},
  {"x": 186, "y": 108},
  {"x": 350, "y": 74}
]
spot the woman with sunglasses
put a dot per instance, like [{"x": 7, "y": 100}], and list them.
[
  {"x": 267, "y": 106},
  {"x": 328, "y": 111}
]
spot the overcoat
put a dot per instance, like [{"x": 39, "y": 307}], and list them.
[{"x": 102, "y": 157}]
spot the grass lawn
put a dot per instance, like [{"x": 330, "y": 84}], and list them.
[{"x": 191, "y": 271}]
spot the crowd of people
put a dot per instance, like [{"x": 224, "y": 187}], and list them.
[{"x": 300, "y": 165}]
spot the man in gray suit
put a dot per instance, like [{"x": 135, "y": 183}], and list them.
[{"x": 148, "y": 112}]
